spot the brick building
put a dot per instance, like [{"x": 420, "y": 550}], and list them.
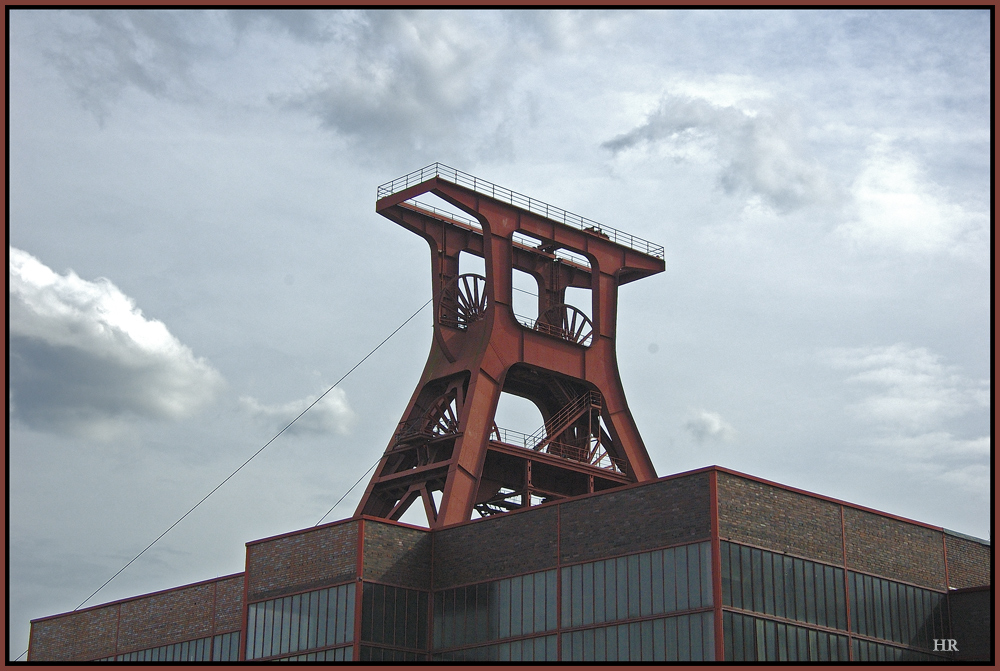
[{"x": 708, "y": 565}]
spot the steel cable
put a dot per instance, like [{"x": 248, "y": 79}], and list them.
[{"x": 229, "y": 477}]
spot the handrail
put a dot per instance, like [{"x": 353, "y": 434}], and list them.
[
  {"x": 519, "y": 200},
  {"x": 570, "y": 452}
]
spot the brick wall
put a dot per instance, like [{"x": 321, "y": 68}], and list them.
[
  {"x": 229, "y": 604},
  {"x": 182, "y": 614},
  {"x": 970, "y": 563},
  {"x": 494, "y": 548},
  {"x": 770, "y": 517},
  {"x": 397, "y": 555},
  {"x": 81, "y": 636},
  {"x": 635, "y": 519},
  {"x": 894, "y": 549},
  {"x": 302, "y": 561},
  {"x": 169, "y": 617}
]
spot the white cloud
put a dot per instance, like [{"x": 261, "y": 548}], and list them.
[
  {"x": 760, "y": 151},
  {"x": 910, "y": 398},
  {"x": 84, "y": 359},
  {"x": 704, "y": 425},
  {"x": 897, "y": 207},
  {"x": 331, "y": 415},
  {"x": 915, "y": 391}
]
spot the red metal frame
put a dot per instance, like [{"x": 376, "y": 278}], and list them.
[{"x": 480, "y": 349}]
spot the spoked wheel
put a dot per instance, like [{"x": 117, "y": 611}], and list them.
[
  {"x": 567, "y": 322},
  {"x": 464, "y": 301},
  {"x": 442, "y": 416}
]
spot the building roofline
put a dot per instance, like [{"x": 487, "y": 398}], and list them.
[
  {"x": 302, "y": 531},
  {"x": 137, "y": 597},
  {"x": 848, "y": 504},
  {"x": 672, "y": 476}
]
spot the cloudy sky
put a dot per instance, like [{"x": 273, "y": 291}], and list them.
[{"x": 194, "y": 255}]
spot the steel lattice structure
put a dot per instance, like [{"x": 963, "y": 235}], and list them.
[{"x": 561, "y": 360}]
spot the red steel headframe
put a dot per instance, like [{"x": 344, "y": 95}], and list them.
[{"x": 562, "y": 361}]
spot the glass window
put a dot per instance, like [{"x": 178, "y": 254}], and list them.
[
  {"x": 656, "y": 573},
  {"x": 672, "y": 644},
  {"x": 727, "y": 580},
  {"x": 694, "y": 577},
  {"x": 645, "y": 585},
  {"x": 669, "y": 581},
  {"x": 746, "y": 573},
  {"x": 705, "y": 552},
  {"x": 633, "y": 585},
  {"x": 539, "y": 602},
  {"x": 646, "y": 641},
  {"x": 588, "y": 595},
  {"x": 621, "y": 568},
  {"x": 599, "y": 592},
  {"x": 680, "y": 571}
]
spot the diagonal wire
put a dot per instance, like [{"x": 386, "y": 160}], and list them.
[
  {"x": 229, "y": 477},
  {"x": 349, "y": 491}
]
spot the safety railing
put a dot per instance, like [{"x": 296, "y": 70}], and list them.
[
  {"x": 519, "y": 200},
  {"x": 550, "y": 329},
  {"x": 571, "y": 452}
]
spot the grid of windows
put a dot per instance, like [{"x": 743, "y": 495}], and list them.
[
  {"x": 506, "y": 608},
  {"x": 750, "y": 639},
  {"x": 774, "y": 584},
  {"x": 650, "y": 583},
  {"x": 316, "y": 619},
  {"x": 226, "y": 647},
  {"x": 540, "y": 649},
  {"x": 896, "y": 612},
  {"x": 394, "y": 616},
  {"x": 331, "y": 655},
  {"x": 866, "y": 651},
  {"x": 371, "y": 653},
  {"x": 685, "y": 638}
]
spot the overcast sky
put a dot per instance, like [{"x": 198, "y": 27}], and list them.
[{"x": 194, "y": 255}]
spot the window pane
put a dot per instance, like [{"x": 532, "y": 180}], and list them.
[
  {"x": 705, "y": 553},
  {"x": 671, "y": 638},
  {"x": 610, "y": 590},
  {"x": 683, "y": 638},
  {"x": 539, "y": 602},
  {"x": 746, "y": 574},
  {"x": 622, "y": 588},
  {"x": 588, "y": 595},
  {"x": 577, "y": 590},
  {"x": 669, "y": 582},
  {"x": 810, "y": 592},
  {"x": 680, "y": 571},
  {"x": 550, "y": 602},
  {"x": 656, "y": 573},
  {"x": 696, "y": 642},
  {"x": 633, "y": 585},
  {"x": 832, "y": 588},
  {"x": 599, "y": 592},
  {"x": 645, "y": 585},
  {"x": 735, "y": 575},
  {"x": 504, "y": 607},
  {"x": 694, "y": 577},
  {"x": 659, "y": 640},
  {"x": 820, "y": 592},
  {"x": 727, "y": 581},
  {"x": 767, "y": 576}
]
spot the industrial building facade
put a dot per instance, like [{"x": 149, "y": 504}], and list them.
[{"x": 705, "y": 565}]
